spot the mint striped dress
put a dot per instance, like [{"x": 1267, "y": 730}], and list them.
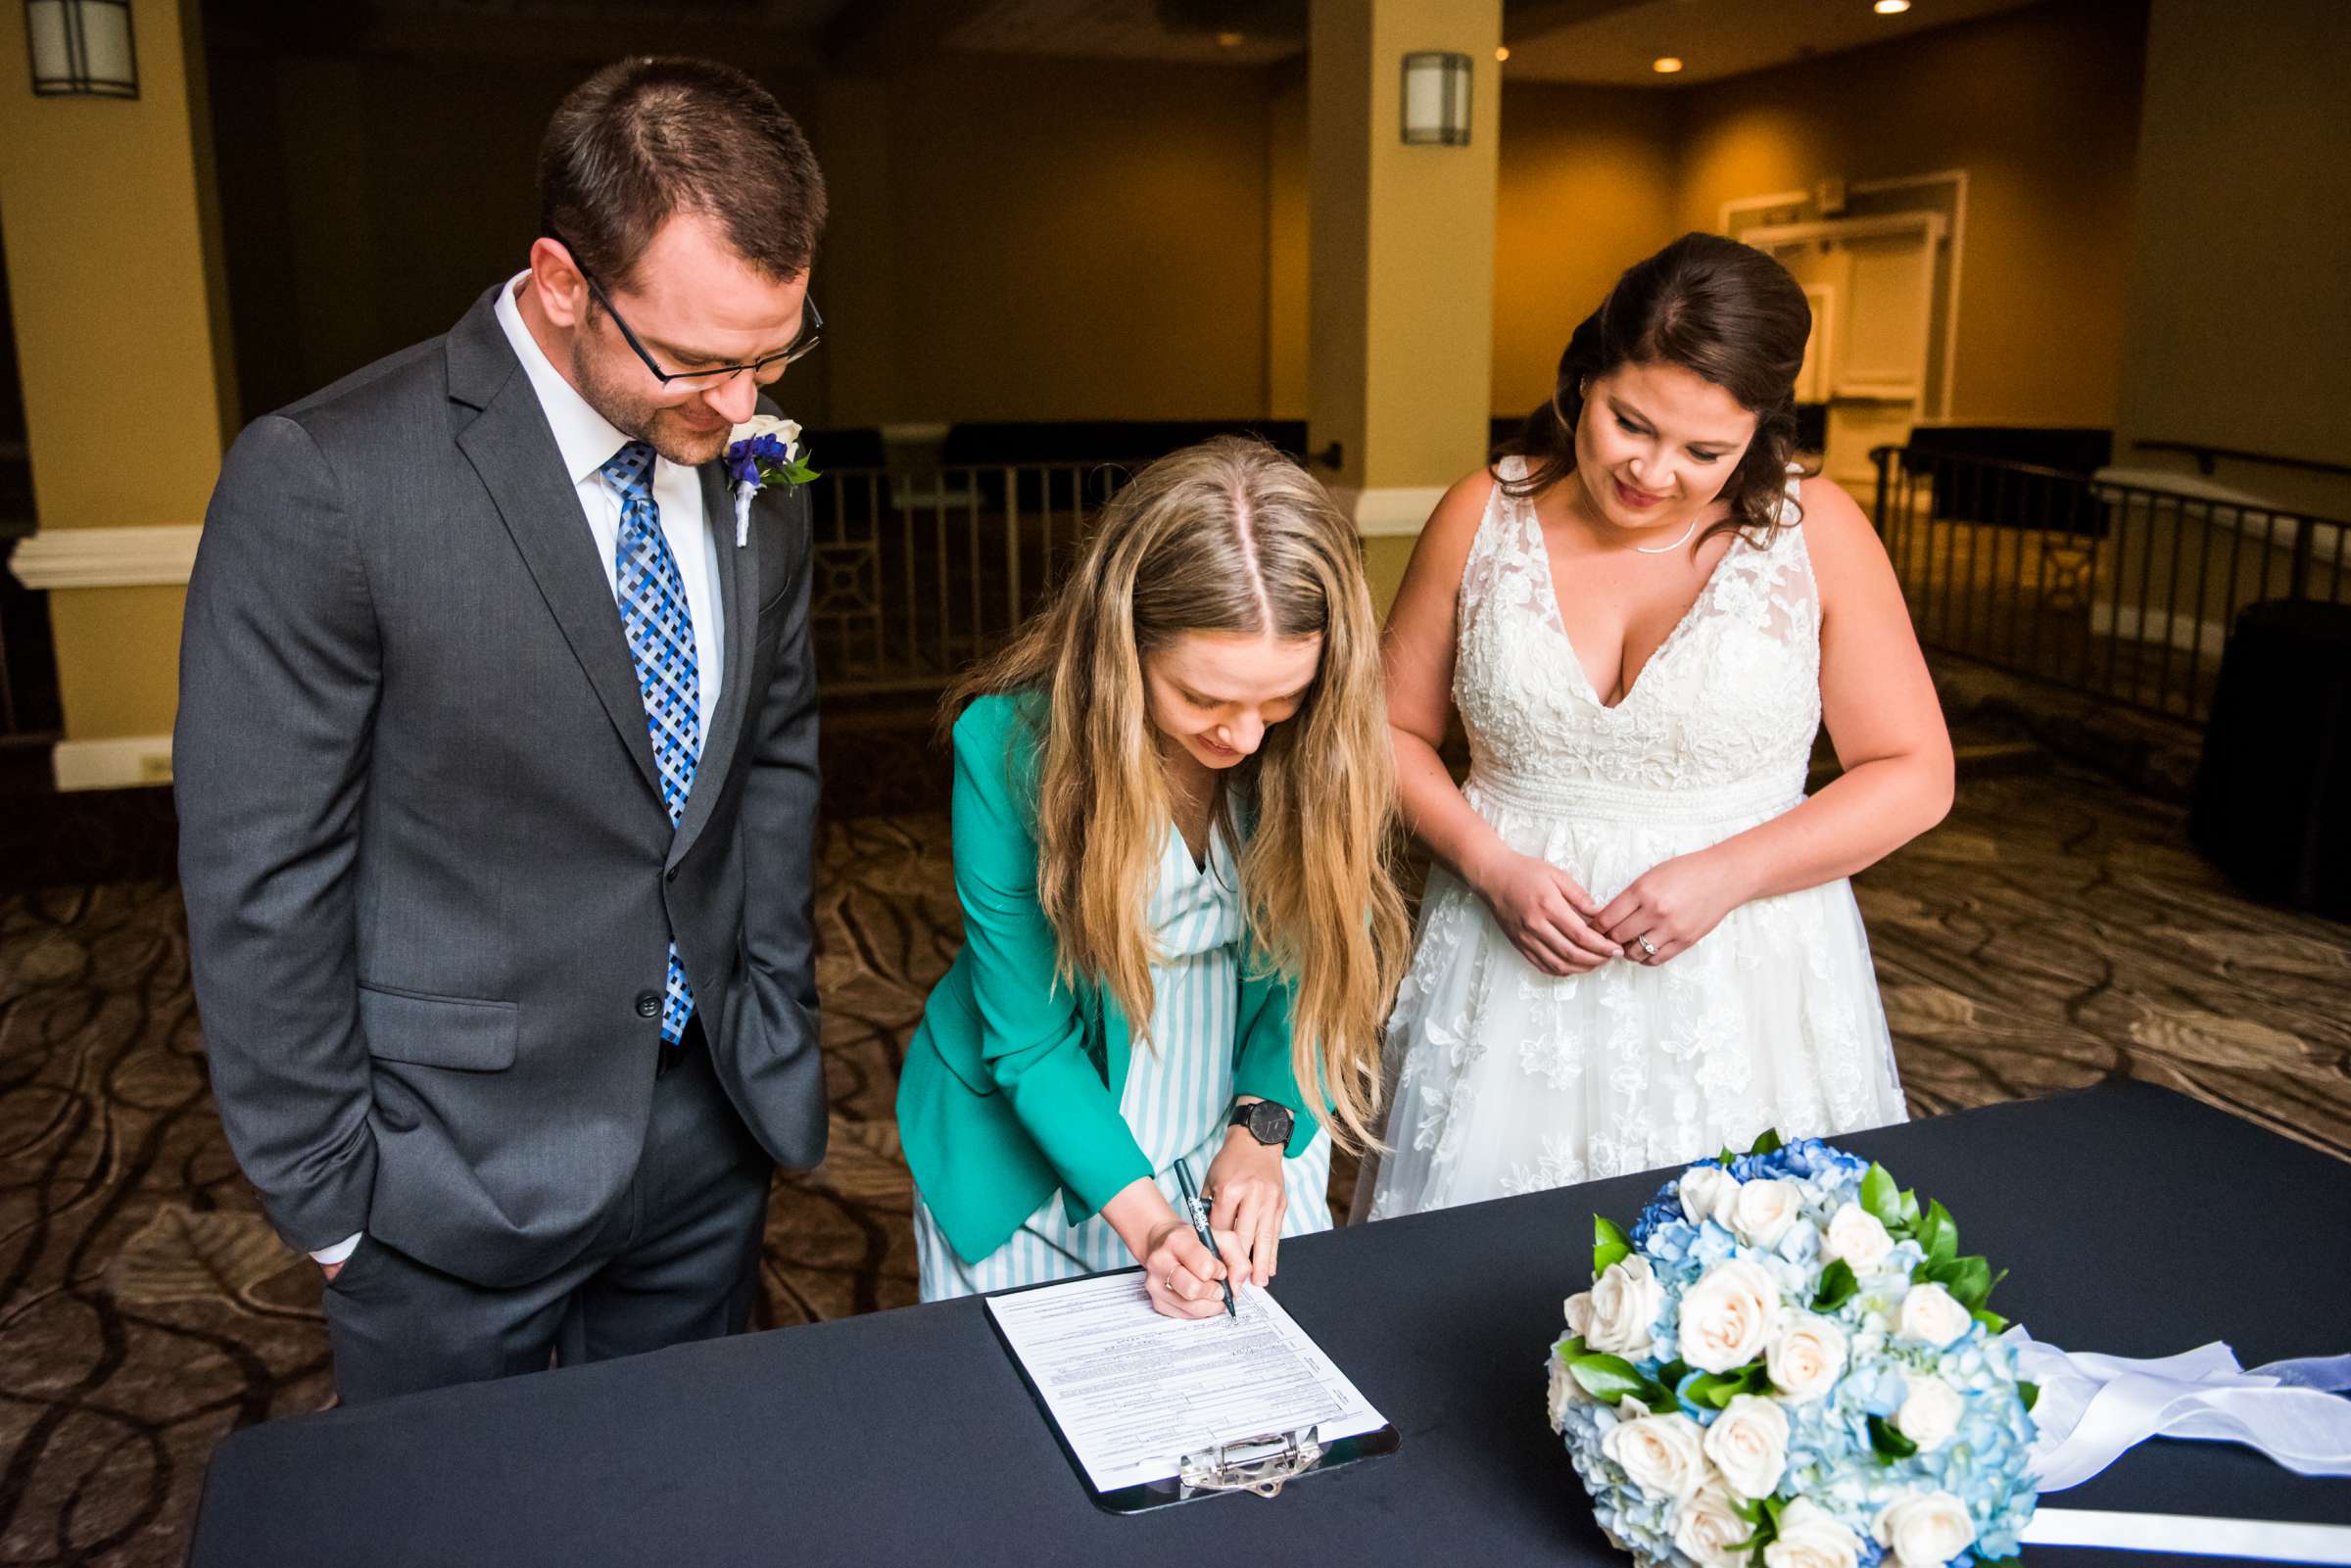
[{"x": 1178, "y": 1090}]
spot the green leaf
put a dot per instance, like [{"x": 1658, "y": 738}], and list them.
[
  {"x": 1889, "y": 1442},
  {"x": 1610, "y": 1378},
  {"x": 1714, "y": 1390},
  {"x": 1939, "y": 1235},
  {"x": 1836, "y": 1287},
  {"x": 1768, "y": 1142},
  {"x": 1970, "y": 1282},
  {"x": 1609, "y": 1245},
  {"x": 1880, "y": 1197}
]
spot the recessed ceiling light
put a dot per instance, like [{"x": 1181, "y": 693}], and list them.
[
  {"x": 1892, "y": 8},
  {"x": 1228, "y": 40},
  {"x": 1665, "y": 65},
  {"x": 1501, "y": 53}
]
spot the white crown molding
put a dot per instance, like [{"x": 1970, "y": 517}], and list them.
[
  {"x": 106, "y": 557},
  {"x": 1395, "y": 513},
  {"x": 118, "y": 764}
]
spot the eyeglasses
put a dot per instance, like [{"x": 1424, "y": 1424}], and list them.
[{"x": 767, "y": 372}]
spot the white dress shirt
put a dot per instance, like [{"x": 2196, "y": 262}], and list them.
[{"x": 588, "y": 441}]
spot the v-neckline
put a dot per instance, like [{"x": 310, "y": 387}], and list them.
[{"x": 1558, "y": 616}]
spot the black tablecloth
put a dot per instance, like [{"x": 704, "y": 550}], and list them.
[
  {"x": 2273, "y": 801},
  {"x": 2136, "y": 1221}
]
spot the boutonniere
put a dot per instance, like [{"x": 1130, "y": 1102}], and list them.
[{"x": 763, "y": 450}]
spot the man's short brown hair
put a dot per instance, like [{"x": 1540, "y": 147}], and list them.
[{"x": 646, "y": 137}]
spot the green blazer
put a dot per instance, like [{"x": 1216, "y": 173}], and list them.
[{"x": 1011, "y": 1088}]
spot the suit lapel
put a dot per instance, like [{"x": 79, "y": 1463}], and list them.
[
  {"x": 737, "y": 588},
  {"x": 514, "y": 453}
]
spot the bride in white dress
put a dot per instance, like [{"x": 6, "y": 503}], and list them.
[{"x": 1638, "y": 943}]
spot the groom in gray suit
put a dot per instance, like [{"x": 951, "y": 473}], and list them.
[{"x": 496, "y": 774}]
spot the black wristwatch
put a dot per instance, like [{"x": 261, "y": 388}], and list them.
[{"x": 1267, "y": 1122}]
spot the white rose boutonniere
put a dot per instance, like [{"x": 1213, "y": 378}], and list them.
[{"x": 761, "y": 451}]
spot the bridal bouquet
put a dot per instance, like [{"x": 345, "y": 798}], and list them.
[{"x": 1789, "y": 1363}]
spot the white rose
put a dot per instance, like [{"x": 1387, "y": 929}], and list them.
[
  {"x": 1930, "y": 1412},
  {"x": 1748, "y": 1444},
  {"x": 1763, "y": 1212},
  {"x": 1929, "y": 1313},
  {"x": 1624, "y": 1304},
  {"x": 1806, "y": 1356},
  {"x": 1579, "y": 1313},
  {"x": 1708, "y": 1192},
  {"x": 1664, "y": 1454},
  {"x": 764, "y": 424},
  {"x": 1564, "y": 1391},
  {"x": 1858, "y": 1236},
  {"x": 1925, "y": 1528},
  {"x": 1810, "y": 1537},
  {"x": 1710, "y": 1531},
  {"x": 1727, "y": 1316}
]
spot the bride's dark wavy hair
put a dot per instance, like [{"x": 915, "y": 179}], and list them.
[{"x": 1723, "y": 312}]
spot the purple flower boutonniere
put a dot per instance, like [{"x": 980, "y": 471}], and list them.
[{"x": 763, "y": 450}]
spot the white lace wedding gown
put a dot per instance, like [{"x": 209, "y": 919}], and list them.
[{"x": 1509, "y": 1079}]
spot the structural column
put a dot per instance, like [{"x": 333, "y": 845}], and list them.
[
  {"x": 116, "y": 293},
  {"x": 1400, "y": 237}
]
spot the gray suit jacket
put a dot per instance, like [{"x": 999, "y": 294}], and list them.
[{"x": 430, "y": 882}]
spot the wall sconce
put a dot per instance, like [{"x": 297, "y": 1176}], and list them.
[
  {"x": 1436, "y": 100},
  {"x": 81, "y": 47}
]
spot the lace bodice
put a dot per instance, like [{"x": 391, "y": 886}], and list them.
[{"x": 1727, "y": 706}]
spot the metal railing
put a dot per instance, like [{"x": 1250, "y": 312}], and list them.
[
  {"x": 2124, "y": 592},
  {"x": 917, "y": 575}
]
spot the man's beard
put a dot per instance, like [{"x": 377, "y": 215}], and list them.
[{"x": 641, "y": 420}]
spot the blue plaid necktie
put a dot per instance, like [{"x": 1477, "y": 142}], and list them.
[{"x": 660, "y": 632}]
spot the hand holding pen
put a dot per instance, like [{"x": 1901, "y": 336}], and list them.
[{"x": 1197, "y": 1212}]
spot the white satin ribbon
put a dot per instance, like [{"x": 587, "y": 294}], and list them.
[
  {"x": 2093, "y": 1407},
  {"x": 2189, "y": 1534}
]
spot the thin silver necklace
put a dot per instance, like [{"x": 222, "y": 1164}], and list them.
[{"x": 1660, "y": 550}]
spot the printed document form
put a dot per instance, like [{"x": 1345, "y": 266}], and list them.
[{"x": 1133, "y": 1391}]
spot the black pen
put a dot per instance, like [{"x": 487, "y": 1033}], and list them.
[{"x": 1197, "y": 1212}]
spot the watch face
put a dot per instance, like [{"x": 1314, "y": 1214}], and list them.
[{"x": 1270, "y": 1123}]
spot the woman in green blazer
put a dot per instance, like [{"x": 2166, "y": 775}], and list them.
[{"x": 1173, "y": 808}]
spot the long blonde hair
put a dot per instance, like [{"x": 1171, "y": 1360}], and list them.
[{"x": 1227, "y": 536}]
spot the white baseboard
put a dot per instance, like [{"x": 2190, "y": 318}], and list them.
[
  {"x": 122, "y": 764},
  {"x": 2181, "y": 632},
  {"x": 1394, "y": 513},
  {"x": 106, "y": 557}
]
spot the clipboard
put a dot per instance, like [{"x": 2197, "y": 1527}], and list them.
[{"x": 1263, "y": 1464}]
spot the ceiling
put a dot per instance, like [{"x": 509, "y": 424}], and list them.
[
  {"x": 1588, "y": 41},
  {"x": 1716, "y": 38}
]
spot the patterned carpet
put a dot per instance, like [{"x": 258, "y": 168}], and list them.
[{"x": 2054, "y": 932}]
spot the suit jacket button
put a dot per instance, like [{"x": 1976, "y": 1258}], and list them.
[{"x": 648, "y": 1004}]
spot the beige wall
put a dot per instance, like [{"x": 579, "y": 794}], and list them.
[
  {"x": 1076, "y": 240},
  {"x": 112, "y": 280},
  {"x": 1588, "y": 188},
  {"x": 2241, "y": 255},
  {"x": 2040, "y": 106}
]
